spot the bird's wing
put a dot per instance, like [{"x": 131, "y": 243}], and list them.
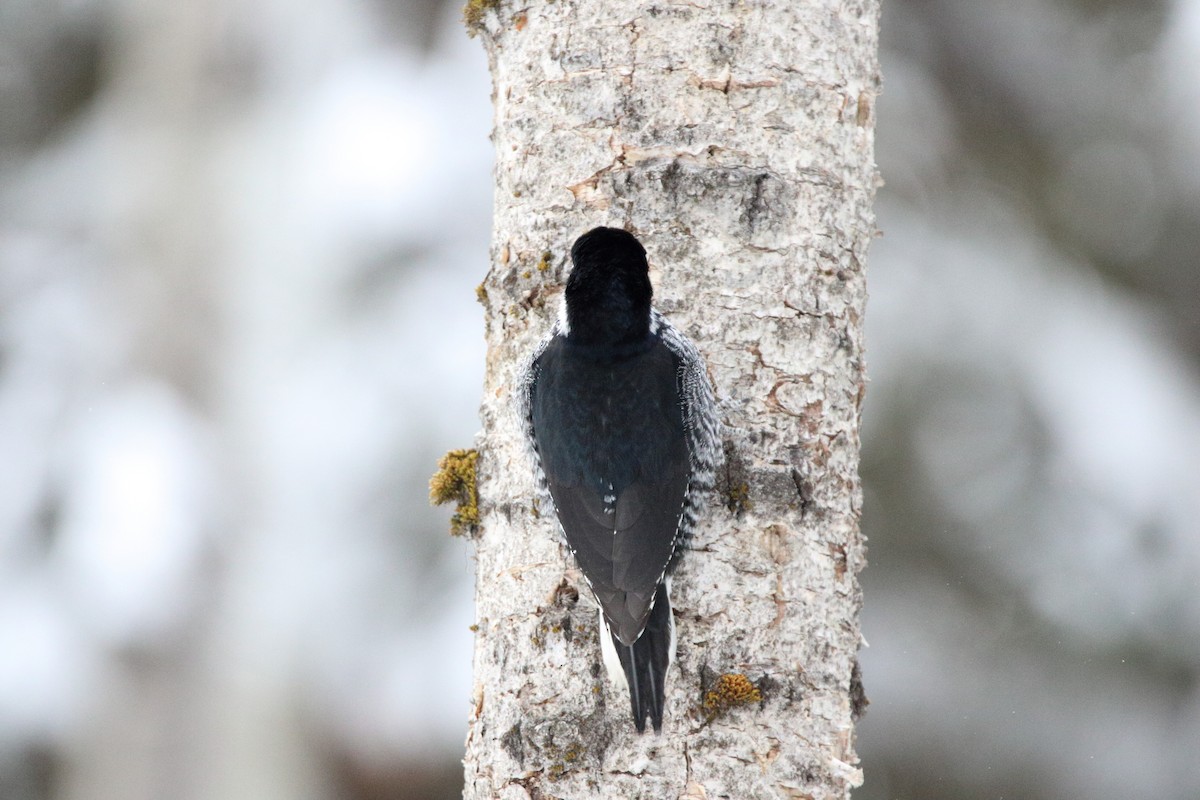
[
  {"x": 624, "y": 547},
  {"x": 614, "y": 452}
]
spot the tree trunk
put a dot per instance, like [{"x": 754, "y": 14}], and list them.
[{"x": 736, "y": 140}]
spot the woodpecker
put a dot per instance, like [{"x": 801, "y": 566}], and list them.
[{"x": 620, "y": 417}]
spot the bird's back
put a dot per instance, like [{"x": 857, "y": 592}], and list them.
[{"x": 609, "y": 429}]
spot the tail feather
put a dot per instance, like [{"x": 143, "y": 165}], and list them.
[{"x": 645, "y": 663}]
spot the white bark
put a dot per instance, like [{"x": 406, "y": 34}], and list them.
[{"x": 736, "y": 140}]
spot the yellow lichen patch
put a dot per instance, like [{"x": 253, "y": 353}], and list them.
[
  {"x": 481, "y": 294},
  {"x": 473, "y": 13},
  {"x": 732, "y": 690},
  {"x": 738, "y": 500},
  {"x": 560, "y": 760},
  {"x": 455, "y": 482},
  {"x": 544, "y": 264}
]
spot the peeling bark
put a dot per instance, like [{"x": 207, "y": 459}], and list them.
[{"x": 736, "y": 140}]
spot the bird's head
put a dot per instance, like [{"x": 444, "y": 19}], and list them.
[{"x": 608, "y": 291}]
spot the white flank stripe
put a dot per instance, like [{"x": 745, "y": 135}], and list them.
[{"x": 612, "y": 664}]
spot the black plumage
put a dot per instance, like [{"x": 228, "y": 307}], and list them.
[{"x": 621, "y": 418}]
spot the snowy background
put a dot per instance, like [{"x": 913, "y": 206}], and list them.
[{"x": 238, "y": 247}]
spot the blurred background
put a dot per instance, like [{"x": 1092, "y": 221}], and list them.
[{"x": 238, "y": 246}]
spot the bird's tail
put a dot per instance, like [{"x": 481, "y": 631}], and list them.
[{"x": 645, "y": 663}]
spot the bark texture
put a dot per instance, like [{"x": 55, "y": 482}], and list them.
[{"x": 736, "y": 140}]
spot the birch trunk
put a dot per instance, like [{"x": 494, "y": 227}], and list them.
[{"x": 736, "y": 140}]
